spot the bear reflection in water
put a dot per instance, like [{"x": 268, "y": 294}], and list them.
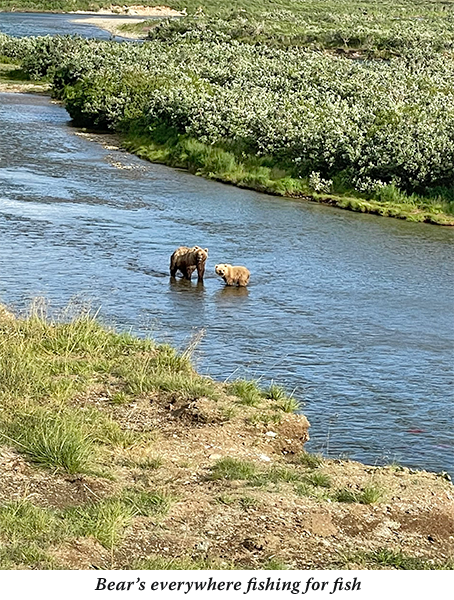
[
  {"x": 186, "y": 286},
  {"x": 231, "y": 293}
]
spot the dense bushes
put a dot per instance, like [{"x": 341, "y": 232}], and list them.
[{"x": 372, "y": 126}]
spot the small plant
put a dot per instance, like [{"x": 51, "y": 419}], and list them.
[
  {"x": 274, "y": 564},
  {"x": 247, "y": 391},
  {"x": 318, "y": 480},
  {"x": 275, "y": 475},
  {"x": 289, "y": 404},
  {"x": 146, "y": 503},
  {"x": 225, "y": 499},
  {"x": 151, "y": 462},
  {"x": 228, "y": 412},
  {"x": 312, "y": 461},
  {"x": 345, "y": 495},
  {"x": 275, "y": 392},
  {"x": 304, "y": 489},
  {"x": 22, "y": 521},
  {"x": 55, "y": 441},
  {"x": 105, "y": 520},
  {"x": 120, "y": 398},
  {"x": 396, "y": 559},
  {"x": 233, "y": 468},
  {"x": 25, "y": 556},
  {"x": 370, "y": 494},
  {"x": 181, "y": 563},
  {"x": 247, "y": 502}
]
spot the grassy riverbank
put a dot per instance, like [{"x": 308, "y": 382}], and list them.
[{"x": 116, "y": 453}]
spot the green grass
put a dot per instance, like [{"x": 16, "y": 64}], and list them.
[
  {"x": 248, "y": 171},
  {"x": 181, "y": 563},
  {"x": 54, "y": 441},
  {"x": 247, "y": 391},
  {"x": 25, "y": 556},
  {"x": 370, "y": 494},
  {"x": 44, "y": 366},
  {"x": 276, "y": 475},
  {"x": 384, "y": 557},
  {"x": 29, "y": 531},
  {"x": 318, "y": 479},
  {"x": 21, "y": 521},
  {"x": 232, "y": 469},
  {"x": 107, "y": 520},
  {"x": 305, "y": 459},
  {"x": 274, "y": 564},
  {"x": 247, "y": 502}
]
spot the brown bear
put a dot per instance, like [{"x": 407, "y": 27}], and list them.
[
  {"x": 233, "y": 275},
  {"x": 187, "y": 260}
]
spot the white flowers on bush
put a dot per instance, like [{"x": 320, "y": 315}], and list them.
[
  {"x": 318, "y": 184},
  {"x": 366, "y": 184},
  {"x": 375, "y": 122}
]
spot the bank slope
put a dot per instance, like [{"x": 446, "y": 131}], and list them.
[{"x": 116, "y": 453}]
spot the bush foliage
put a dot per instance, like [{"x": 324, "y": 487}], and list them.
[{"x": 380, "y": 129}]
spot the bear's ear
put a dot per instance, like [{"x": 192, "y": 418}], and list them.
[{"x": 206, "y": 250}]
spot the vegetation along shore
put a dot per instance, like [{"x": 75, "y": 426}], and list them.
[
  {"x": 347, "y": 103},
  {"x": 116, "y": 453}
]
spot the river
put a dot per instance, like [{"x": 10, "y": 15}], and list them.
[
  {"x": 26, "y": 24},
  {"x": 352, "y": 313}
]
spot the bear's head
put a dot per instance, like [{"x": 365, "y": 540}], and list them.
[
  {"x": 201, "y": 254},
  {"x": 221, "y": 269}
]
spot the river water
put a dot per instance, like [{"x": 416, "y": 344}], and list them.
[
  {"x": 353, "y": 313},
  {"x": 36, "y": 24}
]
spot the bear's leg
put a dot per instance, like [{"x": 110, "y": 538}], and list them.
[
  {"x": 187, "y": 272},
  {"x": 201, "y": 271}
]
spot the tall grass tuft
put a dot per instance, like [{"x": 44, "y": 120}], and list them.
[
  {"x": 56, "y": 441},
  {"x": 247, "y": 391},
  {"x": 232, "y": 468}
]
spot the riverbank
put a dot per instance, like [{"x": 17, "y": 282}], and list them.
[
  {"x": 307, "y": 123},
  {"x": 115, "y": 453},
  {"x": 246, "y": 171},
  {"x": 124, "y": 25},
  {"x": 13, "y": 80}
]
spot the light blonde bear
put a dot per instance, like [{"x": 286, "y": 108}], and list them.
[{"x": 233, "y": 275}]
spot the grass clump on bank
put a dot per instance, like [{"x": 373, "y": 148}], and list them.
[
  {"x": 368, "y": 495},
  {"x": 45, "y": 365},
  {"x": 396, "y": 559}
]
